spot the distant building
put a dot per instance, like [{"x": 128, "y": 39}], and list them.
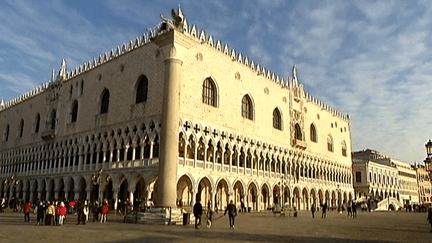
[
  {"x": 175, "y": 115},
  {"x": 424, "y": 185},
  {"x": 378, "y": 177}
]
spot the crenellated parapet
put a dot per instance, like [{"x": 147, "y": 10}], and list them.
[
  {"x": 326, "y": 107},
  {"x": 179, "y": 23}
]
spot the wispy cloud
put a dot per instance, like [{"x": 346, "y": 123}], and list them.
[{"x": 367, "y": 58}]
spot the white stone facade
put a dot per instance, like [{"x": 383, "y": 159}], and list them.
[{"x": 175, "y": 115}]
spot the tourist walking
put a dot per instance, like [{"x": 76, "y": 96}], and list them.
[
  {"x": 40, "y": 213},
  {"x": 86, "y": 211},
  {"x": 104, "y": 213},
  {"x": 429, "y": 217},
  {"x": 198, "y": 211},
  {"x": 50, "y": 212},
  {"x": 63, "y": 213},
  {"x": 96, "y": 210},
  {"x": 324, "y": 210},
  {"x": 232, "y": 213},
  {"x": 313, "y": 210},
  {"x": 57, "y": 213},
  {"x": 80, "y": 212},
  {"x": 27, "y": 210}
]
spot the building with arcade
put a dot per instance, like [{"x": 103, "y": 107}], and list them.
[{"x": 175, "y": 115}]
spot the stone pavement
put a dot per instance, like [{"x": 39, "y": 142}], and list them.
[{"x": 250, "y": 227}]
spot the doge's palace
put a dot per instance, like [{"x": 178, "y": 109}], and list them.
[{"x": 175, "y": 115}]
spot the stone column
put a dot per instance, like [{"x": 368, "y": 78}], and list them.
[{"x": 168, "y": 162}]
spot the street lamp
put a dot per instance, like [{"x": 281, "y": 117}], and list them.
[{"x": 428, "y": 159}]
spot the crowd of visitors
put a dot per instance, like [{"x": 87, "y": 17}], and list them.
[{"x": 55, "y": 212}]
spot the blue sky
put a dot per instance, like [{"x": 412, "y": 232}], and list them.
[{"x": 371, "y": 59}]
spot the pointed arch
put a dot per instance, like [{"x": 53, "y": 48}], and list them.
[
  {"x": 104, "y": 101},
  {"x": 247, "y": 108},
  {"x": 344, "y": 149},
  {"x": 277, "y": 119},
  {"x": 330, "y": 143},
  {"x": 37, "y": 123},
  {"x": 21, "y": 128},
  {"x": 298, "y": 132},
  {"x": 313, "y": 133},
  {"x": 6, "y": 133},
  {"x": 209, "y": 92},
  {"x": 74, "y": 111},
  {"x": 141, "y": 89}
]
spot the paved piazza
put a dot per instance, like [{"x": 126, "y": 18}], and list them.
[{"x": 252, "y": 227}]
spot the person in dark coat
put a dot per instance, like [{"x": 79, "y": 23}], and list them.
[
  {"x": 80, "y": 212},
  {"x": 313, "y": 210},
  {"x": 96, "y": 210},
  {"x": 429, "y": 217},
  {"x": 198, "y": 211},
  {"x": 324, "y": 210},
  {"x": 40, "y": 213},
  {"x": 232, "y": 213}
]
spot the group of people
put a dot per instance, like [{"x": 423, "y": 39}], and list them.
[
  {"x": 231, "y": 209},
  {"x": 54, "y": 213}
]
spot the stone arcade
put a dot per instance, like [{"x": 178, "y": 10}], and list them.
[{"x": 175, "y": 115}]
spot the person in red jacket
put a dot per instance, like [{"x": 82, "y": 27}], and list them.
[
  {"x": 105, "y": 211},
  {"x": 63, "y": 212},
  {"x": 27, "y": 210},
  {"x": 57, "y": 213}
]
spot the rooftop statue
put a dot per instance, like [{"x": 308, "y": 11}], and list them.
[
  {"x": 175, "y": 23},
  {"x": 62, "y": 72}
]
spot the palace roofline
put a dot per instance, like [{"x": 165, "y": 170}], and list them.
[{"x": 192, "y": 31}]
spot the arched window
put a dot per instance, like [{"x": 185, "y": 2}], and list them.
[
  {"x": 330, "y": 143},
  {"x": 21, "y": 128},
  {"x": 298, "y": 132},
  {"x": 82, "y": 87},
  {"x": 313, "y": 133},
  {"x": 142, "y": 89},
  {"x": 344, "y": 149},
  {"x": 74, "y": 111},
  {"x": 247, "y": 108},
  {"x": 53, "y": 119},
  {"x": 6, "y": 134},
  {"x": 105, "y": 101},
  {"x": 277, "y": 119},
  {"x": 209, "y": 94},
  {"x": 37, "y": 123}
]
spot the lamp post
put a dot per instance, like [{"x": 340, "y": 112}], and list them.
[{"x": 428, "y": 159}]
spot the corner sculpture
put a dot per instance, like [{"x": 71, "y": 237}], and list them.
[{"x": 170, "y": 24}]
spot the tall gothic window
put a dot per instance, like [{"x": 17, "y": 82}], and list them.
[
  {"x": 6, "y": 134},
  {"x": 313, "y": 133},
  {"x": 298, "y": 132},
  {"x": 247, "y": 108},
  {"x": 344, "y": 149},
  {"x": 209, "y": 94},
  {"x": 142, "y": 89},
  {"x": 105, "y": 101},
  {"x": 277, "y": 119},
  {"x": 21, "y": 128},
  {"x": 52, "y": 124},
  {"x": 37, "y": 123},
  {"x": 330, "y": 143},
  {"x": 74, "y": 111}
]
